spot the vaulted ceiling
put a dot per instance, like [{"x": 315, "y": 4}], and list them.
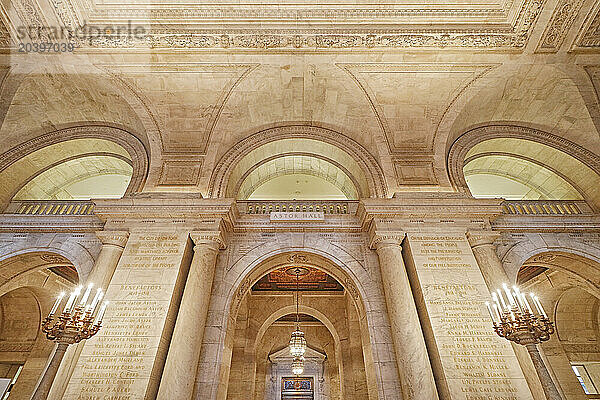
[{"x": 399, "y": 80}]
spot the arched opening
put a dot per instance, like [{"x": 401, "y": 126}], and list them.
[
  {"x": 568, "y": 286},
  {"x": 518, "y": 169},
  {"x": 81, "y": 178},
  {"x": 262, "y": 320},
  {"x": 519, "y": 163},
  {"x": 30, "y": 283},
  {"x": 74, "y": 164},
  {"x": 297, "y": 169},
  {"x": 297, "y": 162}
]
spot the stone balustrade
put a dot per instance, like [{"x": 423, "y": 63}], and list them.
[
  {"x": 327, "y": 207},
  {"x": 50, "y": 207},
  {"x": 547, "y": 207},
  {"x": 510, "y": 207}
]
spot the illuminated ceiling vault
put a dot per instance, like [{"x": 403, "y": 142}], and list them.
[{"x": 377, "y": 92}]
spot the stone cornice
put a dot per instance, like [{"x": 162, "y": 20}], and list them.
[
  {"x": 205, "y": 211},
  {"x": 547, "y": 223},
  {"x": 428, "y": 205},
  {"x": 42, "y": 223},
  {"x": 115, "y": 238},
  {"x": 481, "y": 238}
]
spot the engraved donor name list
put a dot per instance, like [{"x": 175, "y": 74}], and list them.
[
  {"x": 476, "y": 364},
  {"x": 118, "y": 363}
]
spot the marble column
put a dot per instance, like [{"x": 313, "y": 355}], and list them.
[
  {"x": 494, "y": 274},
  {"x": 484, "y": 250},
  {"x": 113, "y": 243},
  {"x": 179, "y": 374},
  {"x": 414, "y": 367}
]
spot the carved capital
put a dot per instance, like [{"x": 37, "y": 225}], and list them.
[
  {"x": 213, "y": 239},
  {"x": 385, "y": 238},
  {"x": 114, "y": 238},
  {"x": 482, "y": 238}
]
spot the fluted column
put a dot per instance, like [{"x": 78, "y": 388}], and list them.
[
  {"x": 113, "y": 244},
  {"x": 181, "y": 365},
  {"x": 414, "y": 368},
  {"x": 494, "y": 274}
]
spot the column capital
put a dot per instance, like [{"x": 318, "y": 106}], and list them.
[
  {"x": 482, "y": 238},
  {"x": 115, "y": 238},
  {"x": 379, "y": 238},
  {"x": 214, "y": 239}
]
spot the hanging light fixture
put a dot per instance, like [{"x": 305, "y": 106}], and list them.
[
  {"x": 297, "y": 341},
  {"x": 298, "y": 365}
]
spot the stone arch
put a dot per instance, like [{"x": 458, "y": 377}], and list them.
[
  {"x": 65, "y": 246},
  {"x": 302, "y": 257},
  {"x": 290, "y": 310},
  {"x": 537, "y": 245},
  {"x": 219, "y": 180},
  {"x": 569, "y": 289},
  {"x": 23, "y": 270},
  {"x": 352, "y": 191},
  {"x": 131, "y": 144},
  {"x": 456, "y": 155},
  {"x": 570, "y": 325},
  {"x": 314, "y": 313},
  {"x": 456, "y": 159},
  {"x": 239, "y": 277}
]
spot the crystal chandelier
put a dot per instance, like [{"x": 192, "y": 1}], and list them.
[
  {"x": 298, "y": 365},
  {"x": 297, "y": 341}
]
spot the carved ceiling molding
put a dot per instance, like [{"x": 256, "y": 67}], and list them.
[
  {"x": 556, "y": 31},
  {"x": 590, "y": 33},
  {"x": 462, "y": 145},
  {"x": 308, "y": 12},
  {"x": 287, "y": 259},
  {"x": 224, "y": 167},
  {"x": 514, "y": 35},
  {"x": 355, "y": 69},
  {"x": 139, "y": 156}
]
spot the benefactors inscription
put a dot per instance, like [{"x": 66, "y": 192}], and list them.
[
  {"x": 118, "y": 362},
  {"x": 476, "y": 364}
]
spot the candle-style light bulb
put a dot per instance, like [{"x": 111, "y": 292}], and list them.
[
  {"x": 535, "y": 303},
  {"x": 86, "y": 295},
  {"x": 518, "y": 297},
  {"x": 508, "y": 294},
  {"x": 504, "y": 306},
  {"x": 537, "y": 299},
  {"x": 96, "y": 301},
  {"x": 518, "y": 302},
  {"x": 72, "y": 298},
  {"x": 524, "y": 298},
  {"x": 57, "y": 303},
  {"x": 497, "y": 310},
  {"x": 101, "y": 313},
  {"x": 487, "y": 304}
]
